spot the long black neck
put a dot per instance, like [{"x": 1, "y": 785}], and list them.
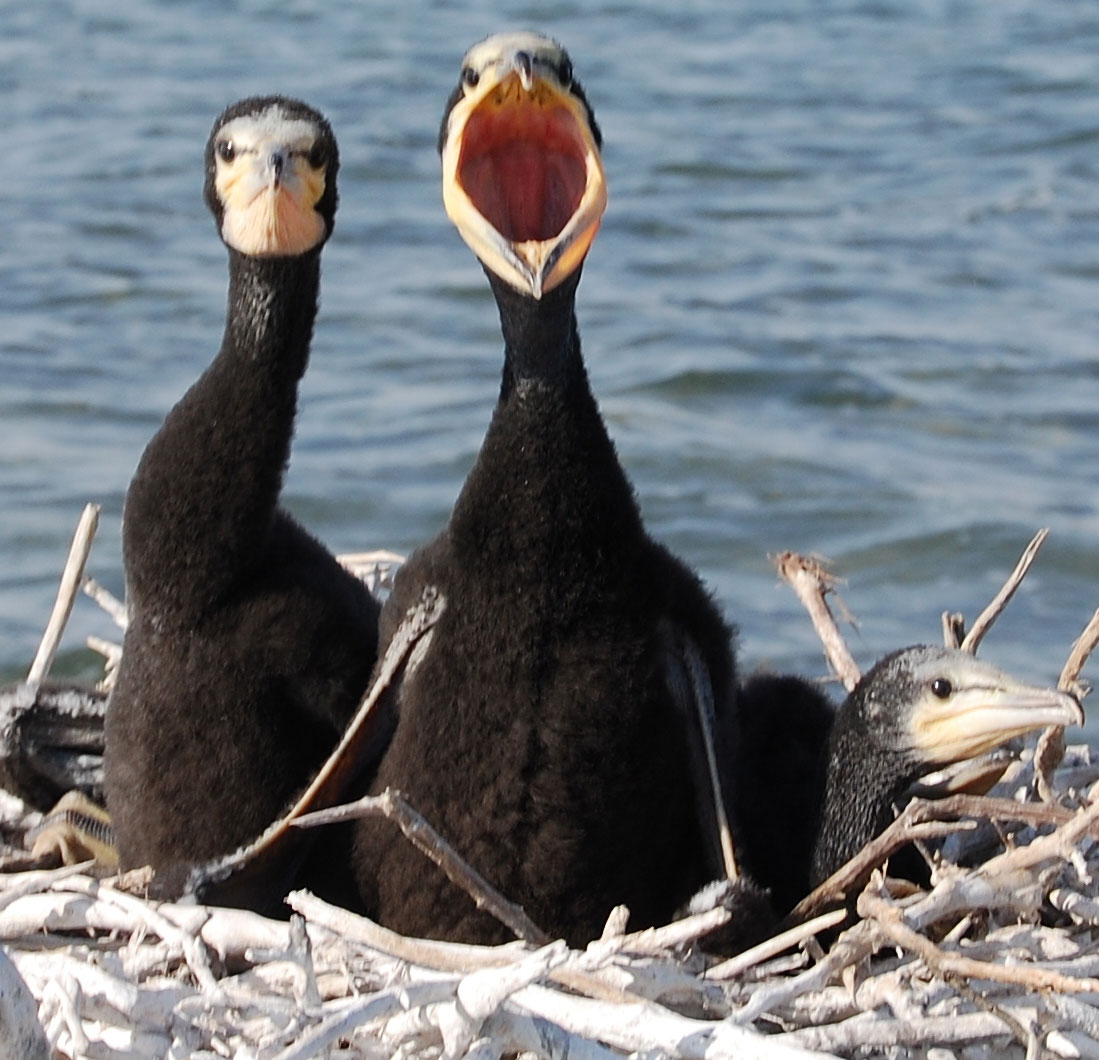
[
  {"x": 863, "y": 782},
  {"x": 205, "y": 493},
  {"x": 547, "y": 489},
  {"x": 541, "y": 339}
]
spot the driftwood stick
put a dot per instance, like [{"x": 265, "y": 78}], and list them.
[
  {"x": 21, "y": 1035},
  {"x": 775, "y": 945},
  {"x": 852, "y": 947},
  {"x": 922, "y": 819},
  {"x": 644, "y": 1026},
  {"x": 953, "y": 629},
  {"x": 909, "y": 827},
  {"x": 1053, "y": 847},
  {"x": 417, "y": 624},
  {"x": 989, "y": 615},
  {"x": 107, "y": 601},
  {"x": 481, "y": 993},
  {"x": 890, "y": 920},
  {"x": 430, "y": 953},
  {"x": 393, "y": 806},
  {"x": 858, "y": 1036},
  {"x": 1079, "y": 654},
  {"x": 1050, "y": 749},
  {"x": 368, "y": 1009},
  {"x": 1049, "y": 752},
  {"x": 66, "y": 594},
  {"x": 517, "y": 1033},
  {"x": 811, "y": 582}
]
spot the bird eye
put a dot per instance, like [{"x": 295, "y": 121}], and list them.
[
  {"x": 564, "y": 73},
  {"x": 470, "y": 77},
  {"x": 318, "y": 156},
  {"x": 226, "y": 151},
  {"x": 941, "y": 688}
]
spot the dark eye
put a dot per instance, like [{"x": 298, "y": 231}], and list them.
[
  {"x": 318, "y": 156},
  {"x": 226, "y": 151},
  {"x": 941, "y": 688},
  {"x": 470, "y": 77},
  {"x": 564, "y": 73}
]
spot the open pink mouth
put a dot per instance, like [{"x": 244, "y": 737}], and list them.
[{"x": 523, "y": 167}]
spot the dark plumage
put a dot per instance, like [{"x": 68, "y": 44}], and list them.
[
  {"x": 777, "y": 780},
  {"x": 248, "y": 645},
  {"x": 812, "y": 791},
  {"x": 539, "y": 732}
]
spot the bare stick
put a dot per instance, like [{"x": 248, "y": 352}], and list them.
[
  {"x": 416, "y": 624},
  {"x": 811, "y": 582},
  {"x": 110, "y": 650},
  {"x": 20, "y": 1032},
  {"x": 108, "y": 601},
  {"x": 891, "y": 922},
  {"x": 850, "y": 877},
  {"x": 328, "y": 785},
  {"x": 1079, "y": 654},
  {"x": 1053, "y": 847},
  {"x": 953, "y": 630},
  {"x": 1050, "y": 749},
  {"x": 66, "y": 594},
  {"x": 989, "y": 615},
  {"x": 772, "y": 947},
  {"x": 921, "y": 819},
  {"x": 393, "y": 806}
]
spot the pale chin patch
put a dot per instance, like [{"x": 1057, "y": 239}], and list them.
[{"x": 273, "y": 224}]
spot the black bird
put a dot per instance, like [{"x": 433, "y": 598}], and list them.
[
  {"x": 541, "y": 731},
  {"x": 815, "y": 786},
  {"x": 248, "y": 645}
]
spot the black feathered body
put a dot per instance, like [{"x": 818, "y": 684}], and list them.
[
  {"x": 776, "y": 776},
  {"x": 538, "y": 734},
  {"x": 248, "y": 645}
]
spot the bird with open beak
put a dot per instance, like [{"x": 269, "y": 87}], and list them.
[{"x": 522, "y": 174}]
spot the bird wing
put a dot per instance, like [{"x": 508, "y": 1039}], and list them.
[{"x": 688, "y": 679}]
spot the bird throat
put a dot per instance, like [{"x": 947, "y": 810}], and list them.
[
  {"x": 541, "y": 340},
  {"x": 272, "y": 307}
]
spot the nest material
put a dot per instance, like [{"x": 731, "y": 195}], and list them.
[
  {"x": 996, "y": 960},
  {"x": 999, "y": 960}
]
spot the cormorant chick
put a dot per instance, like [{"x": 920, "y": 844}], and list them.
[
  {"x": 543, "y": 731},
  {"x": 915, "y": 711},
  {"x": 816, "y": 784},
  {"x": 248, "y": 645}
]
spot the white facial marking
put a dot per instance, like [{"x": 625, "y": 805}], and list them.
[{"x": 269, "y": 208}]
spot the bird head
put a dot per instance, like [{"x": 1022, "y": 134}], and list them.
[
  {"x": 933, "y": 706},
  {"x": 523, "y": 177},
  {"x": 271, "y": 169}
]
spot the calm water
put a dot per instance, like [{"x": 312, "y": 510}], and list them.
[{"x": 844, "y": 299}]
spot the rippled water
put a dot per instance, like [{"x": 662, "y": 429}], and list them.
[{"x": 843, "y": 301}]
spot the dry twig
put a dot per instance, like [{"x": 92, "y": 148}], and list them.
[
  {"x": 66, "y": 594},
  {"x": 989, "y": 615},
  {"x": 812, "y": 583},
  {"x": 394, "y": 807}
]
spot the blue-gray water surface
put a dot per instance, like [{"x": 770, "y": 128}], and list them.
[{"x": 843, "y": 300}]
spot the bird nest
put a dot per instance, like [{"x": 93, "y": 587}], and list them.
[{"x": 997, "y": 957}]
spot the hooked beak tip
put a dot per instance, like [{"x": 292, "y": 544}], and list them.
[{"x": 524, "y": 67}]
